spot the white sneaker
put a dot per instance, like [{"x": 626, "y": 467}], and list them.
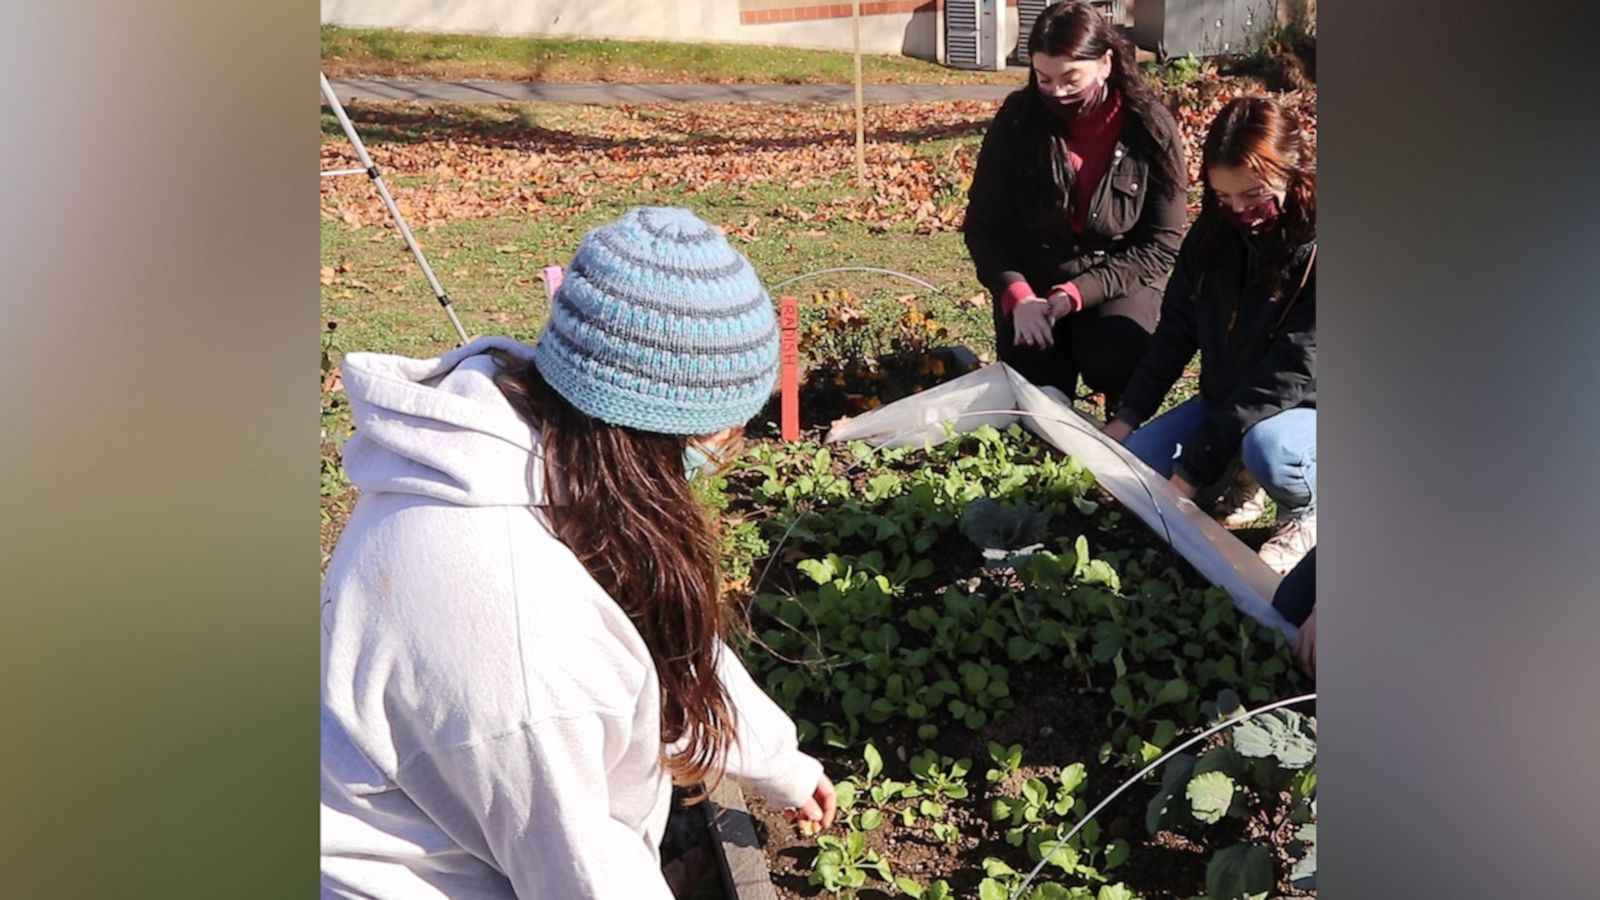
[
  {"x": 1292, "y": 538},
  {"x": 1242, "y": 503}
]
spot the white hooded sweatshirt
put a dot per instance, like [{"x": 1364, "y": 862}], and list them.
[{"x": 490, "y": 717}]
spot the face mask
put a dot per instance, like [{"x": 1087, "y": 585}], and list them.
[
  {"x": 699, "y": 459},
  {"x": 1068, "y": 106},
  {"x": 696, "y": 461},
  {"x": 1253, "y": 219}
]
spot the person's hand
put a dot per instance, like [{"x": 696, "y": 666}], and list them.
[
  {"x": 1182, "y": 486},
  {"x": 1305, "y": 646},
  {"x": 1030, "y": 324},
  {"x": 1118, "y": 430},
  {"x": 816, "y": 814},
  {"x": 1060, "y": 304}
]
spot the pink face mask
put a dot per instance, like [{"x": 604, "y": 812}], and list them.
[{"x": 1255, "y": 217}]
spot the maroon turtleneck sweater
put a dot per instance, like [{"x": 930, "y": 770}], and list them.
[{"x": 1091, "y": 138}]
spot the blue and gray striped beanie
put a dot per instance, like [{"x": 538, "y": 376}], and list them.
[{"x": 660, "y": 325}]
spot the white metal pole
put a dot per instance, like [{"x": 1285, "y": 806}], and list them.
[
  {"x": 388, "y": 200},
  {"x": 861, "y": 144}
]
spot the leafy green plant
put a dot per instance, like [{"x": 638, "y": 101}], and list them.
[
  {"x": 880, "y": 791},
  {"x": 1249, "y": 774},
  {"x": 1062, "y": 892},
  {"x": 1005, "y": 759},
  {"x": 999, "y": 880},
  {"x": 844, "y": 863},
  {"x": 984, "y": 690},
  {"x": 1037, "y": 803},
  {"x": 877, "y": 791},
  {"x": 1038, "y": 820},
  {"x": 882, "y": 629},
  {"x": 742, "y": 545},
  {"x": 939, "y": 889},
  {"x": 1006, "y": 533},
  {"x": 334, "y": 484},
  {"x": 1240, "y": 872},
  {"x": 846, "y": 801},
  {"x": 1210, "y": 795},
  {"x": 1177, "y": 73},
  {"x": 939, "y": 777}
]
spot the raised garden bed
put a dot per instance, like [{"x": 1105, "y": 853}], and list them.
[{"x": 980, "y": 646}]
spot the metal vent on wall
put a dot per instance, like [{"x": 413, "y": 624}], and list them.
[
  {"x": 1028, "y": 11},
  {"x": 961, "y": 34}
]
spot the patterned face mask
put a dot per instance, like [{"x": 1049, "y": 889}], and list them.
[
  {"x": 1255, "y": 217},
  {"x": 1067, "y": 106},
  {"x": 701, "y": 459},
  {"x": 696, "y": 461}
]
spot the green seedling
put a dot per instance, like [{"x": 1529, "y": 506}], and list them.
[
  {"x": 999, "y": 880},
  {"x": 843, "y": 863},
  {"x": 1005, "y": 759},
  {"x": 938, "y": 890},
  {"x": 1037, "y": 804},
  {"x": 879, "y": 792},
  {"x": 939, "y": 777}
]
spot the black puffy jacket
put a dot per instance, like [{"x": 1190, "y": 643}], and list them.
[
  {"x": 1135, "y": 220},
  {"x": 1258, "y": 351}
]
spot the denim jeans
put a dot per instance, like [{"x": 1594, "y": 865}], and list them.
[
  {"x": 1280, "y": 451},
  {"x": 1296, "y": 596}
]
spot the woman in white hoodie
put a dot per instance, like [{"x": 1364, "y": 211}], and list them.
[{"x": 522, "y": 637}]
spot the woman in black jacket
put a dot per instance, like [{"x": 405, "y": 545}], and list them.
[
  {"x": 1243, "y": 294},
  {"x": 1077, "y": 207}
]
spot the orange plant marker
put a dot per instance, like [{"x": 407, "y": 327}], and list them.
[{"x": 789, "y": 365}]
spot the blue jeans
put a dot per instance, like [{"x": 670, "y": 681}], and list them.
[
  {"x": 1280, "y": 451},
  {"x": 1296, "y": 596}
]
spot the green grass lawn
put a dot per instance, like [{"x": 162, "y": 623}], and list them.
[
  {"x": 348, "y": 52},
  {"x": 491, "y": 264},
  {"x": 497, "y": 192},
  {"x": 491, "y": 267},
  {"x": 750, "y": 171},
  {"x": 755, "y": 172}
]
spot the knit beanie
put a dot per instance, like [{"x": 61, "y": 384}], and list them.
[{"x": 660, "y": 325}]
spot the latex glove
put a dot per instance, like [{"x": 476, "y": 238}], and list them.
[{"x": 1031, "y": 324}]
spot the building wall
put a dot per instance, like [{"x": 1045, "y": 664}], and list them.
[{"x": 905, "y": 27}]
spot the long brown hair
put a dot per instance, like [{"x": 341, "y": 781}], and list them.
[
  {"x": 631, "y": 518},
  {"x": 1258, "y": 134},
  {"x": 1076, "y": 30}
]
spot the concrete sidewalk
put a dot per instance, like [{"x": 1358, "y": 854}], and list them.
[{"x": 371, "y": 90}]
